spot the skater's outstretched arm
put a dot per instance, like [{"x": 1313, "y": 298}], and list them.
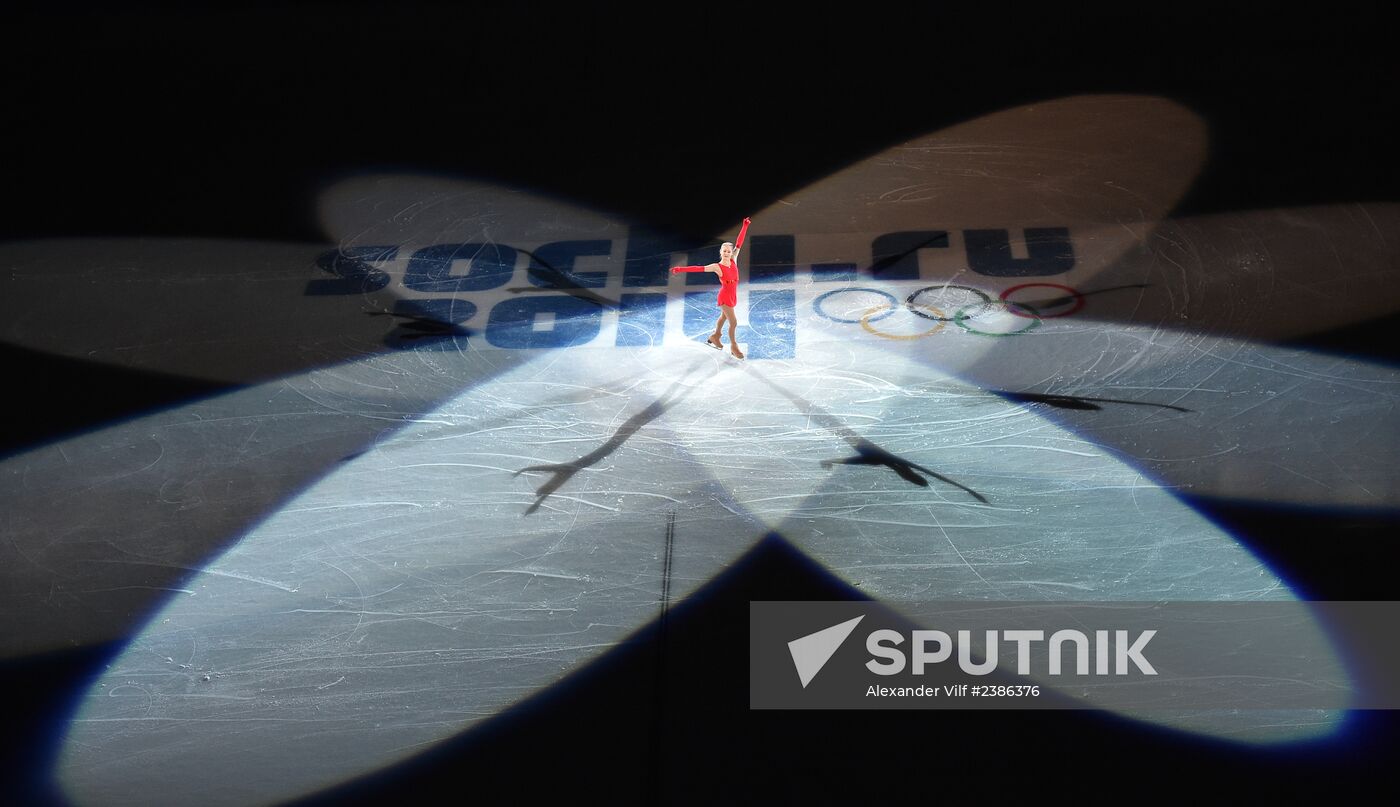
[{"x": 713, "y": 267}]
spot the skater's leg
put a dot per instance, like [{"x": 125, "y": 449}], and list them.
[
  {"x": 714, "y": 339},
  {"x": 733, "y": 325}
]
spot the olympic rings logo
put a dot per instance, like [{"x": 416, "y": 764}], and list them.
[{"x": 1003, "y": 316}]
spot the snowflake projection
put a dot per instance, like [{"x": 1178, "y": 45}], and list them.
[{"x": 478, "y": 441}]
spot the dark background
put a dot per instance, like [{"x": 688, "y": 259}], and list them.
[{"x": 165, "y": 121}]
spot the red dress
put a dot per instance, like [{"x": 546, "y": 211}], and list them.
[
  {"x": 728, "y": 282},
  {"x": 728, "y": 286}
]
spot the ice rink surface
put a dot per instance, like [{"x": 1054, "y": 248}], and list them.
[{"x": 458, "y": 457}]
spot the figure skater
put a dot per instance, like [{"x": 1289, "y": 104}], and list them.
[{"x": 728, "y": 271}]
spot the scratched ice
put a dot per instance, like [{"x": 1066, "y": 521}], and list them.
[
  {"x": 518, "y": 531},
  {"x": 412, "y": 581}
]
